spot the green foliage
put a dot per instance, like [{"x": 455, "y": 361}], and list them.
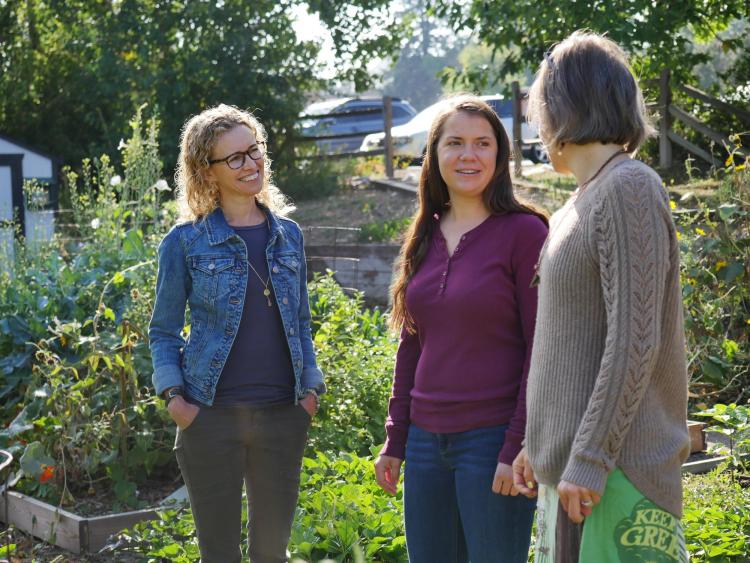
[
  {"x": 356, "y": 352},
  {"x": 653, "y": 31},
  {"x": 732, "y": 421},
  {"x": 715, "y": 245},
  {"x": 716, "y": 519},
  {"x": 35, "y": 194},
  {"x": 342, "y": 515},
  {"x": 75, "y": 369},
  {"x": 385, "y": 231},
  {"x": 311, "y": 179},
  {"x": 190, "y": 55}
]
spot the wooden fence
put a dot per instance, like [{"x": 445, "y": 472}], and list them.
[{"x": 669, "y": 113}]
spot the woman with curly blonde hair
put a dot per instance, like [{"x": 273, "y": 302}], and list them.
[{"x": 243, "y": 387}]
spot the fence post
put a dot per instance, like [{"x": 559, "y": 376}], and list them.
[
  {"x": 388, "y": 123},
  {"x": 665, "y": 98},
  {"x": 517, "y": 155}
]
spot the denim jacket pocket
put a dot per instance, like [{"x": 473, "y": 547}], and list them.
[
  {"x": 289, "y": 263},
  {"x": 206, "y": 271},
  {"x": 289, "y": 260}
]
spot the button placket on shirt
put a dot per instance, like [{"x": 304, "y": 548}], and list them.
[{"x": 448, "y": 261}]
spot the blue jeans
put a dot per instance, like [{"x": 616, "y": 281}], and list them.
[{"x": 451, "y": 513}]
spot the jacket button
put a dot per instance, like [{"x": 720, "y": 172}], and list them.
[
  {"x": 285, "y": 301},
  {"x": 291, "y": 331},
  {"x": 211, "y": 266},
  {"x": 275, "y": 269}
]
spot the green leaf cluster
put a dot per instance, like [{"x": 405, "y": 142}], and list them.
[
  {"x": 73, "y": 71},
  {"x": 656, "y": 33},
  {"x": 715, "y": 271},
  {"x": 356, "y": 352},
  {"x": 716, "y": 518}
]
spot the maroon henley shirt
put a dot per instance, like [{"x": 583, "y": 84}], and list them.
[{"x": 467, "y": 364}]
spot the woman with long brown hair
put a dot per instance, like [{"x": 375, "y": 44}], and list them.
[{"x": 464, "y": 304}]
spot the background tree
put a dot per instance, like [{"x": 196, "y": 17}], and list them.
[
  {"x": 72, "y": 72},
  {"x": 655, "y": 32},
  {"x": 430, "y": 47}
]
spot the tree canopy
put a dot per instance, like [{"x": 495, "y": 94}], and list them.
[
  {"x": 654, "y": 32},
  {"x": 72, "y": 72}
]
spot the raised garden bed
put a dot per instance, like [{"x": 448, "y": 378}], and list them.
[{"x": 60, "y": 527}]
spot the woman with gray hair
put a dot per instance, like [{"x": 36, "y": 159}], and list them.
[
  {"x": 607, "y": 391},
  {"x": 243, "y": 387}
]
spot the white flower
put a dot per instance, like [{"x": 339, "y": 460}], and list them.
[
  {"x": 95, "y": 223},
  {"x": 162, "y": 186},
  {"x": 122, "y": 145},
  {"x": 115, "y": 180}
]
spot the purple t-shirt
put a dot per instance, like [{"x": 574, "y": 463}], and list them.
[{"x": 466, "y": 366}]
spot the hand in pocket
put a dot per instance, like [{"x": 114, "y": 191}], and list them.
[{"x": 182, "y": 412}]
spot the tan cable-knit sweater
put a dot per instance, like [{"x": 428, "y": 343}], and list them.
[{"x": 608, "y": 381}]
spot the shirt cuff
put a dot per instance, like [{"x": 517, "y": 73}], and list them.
[
  {"x": 395, "y": 446},
  {"x": 586, "y": 473},
  {"x": 510, "y": 449},
  {"x": 165, "y": 377}
]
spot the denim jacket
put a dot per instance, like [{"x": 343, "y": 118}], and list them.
[{"x": 204, "y": 265}]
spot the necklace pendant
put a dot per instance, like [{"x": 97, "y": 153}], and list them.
[{"x": 267, "y": 293}]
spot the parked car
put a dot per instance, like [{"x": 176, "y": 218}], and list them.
[
  {"x": 348, "y": 120},
  {"x": 410, "y": 139}
]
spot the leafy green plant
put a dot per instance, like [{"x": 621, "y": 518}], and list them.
[
  {"x": 715, "y": 245},
  {"x": 342, "y": 515},
  {"x": 732, "y": 421},
  {"x": 716, "y": 518},
  {"x": 35, "y": 194},
  {"x": 75, "y": 368},
  {"x": 385, "y": 231},
  {"x": 356, "y": 352}
]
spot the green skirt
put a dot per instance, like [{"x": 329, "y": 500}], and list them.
[{"x": 624, "y": 527}]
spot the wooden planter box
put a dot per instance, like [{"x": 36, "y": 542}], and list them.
[
  {"x": 64, "y": 529},
  {"x": 697, "y": 436}
]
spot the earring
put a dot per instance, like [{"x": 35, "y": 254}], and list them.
[{"x": 560, "y": 148}]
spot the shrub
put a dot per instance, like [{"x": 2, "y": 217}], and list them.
[
  {"x": 715, "y": 245},
  {"x": 356, "y": 352}
]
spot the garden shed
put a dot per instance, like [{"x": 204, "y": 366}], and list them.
[{"x": 19, "y": 163}]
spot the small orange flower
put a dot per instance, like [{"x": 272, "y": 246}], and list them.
[{"x": 48, "y": 472}]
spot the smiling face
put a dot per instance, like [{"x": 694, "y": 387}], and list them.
[
  {"x": 246, "y": 181},
  {"x": 467, "y": 154}
]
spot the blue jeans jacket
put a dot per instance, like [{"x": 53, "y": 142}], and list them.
[{"x": 204, "y": 265}]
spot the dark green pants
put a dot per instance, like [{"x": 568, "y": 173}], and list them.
[{"x": 262, "y": 446}]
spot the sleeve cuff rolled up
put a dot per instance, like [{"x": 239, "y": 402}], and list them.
[
  {"x": 312, "y": 378},
  {"x": 165, "y": 377}
]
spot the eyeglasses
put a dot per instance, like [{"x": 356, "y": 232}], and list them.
[{"x": 237, "y": 160}]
